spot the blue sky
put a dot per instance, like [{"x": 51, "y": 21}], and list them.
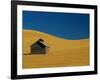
[{"x": 64, "y": 25}]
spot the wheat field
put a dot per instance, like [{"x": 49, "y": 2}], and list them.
[{"x": 61, "y": 52}]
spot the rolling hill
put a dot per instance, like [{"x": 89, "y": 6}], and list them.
[{"x": 61, "y": 53}]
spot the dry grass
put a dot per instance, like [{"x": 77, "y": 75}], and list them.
[{"x": 61, "y": 53}]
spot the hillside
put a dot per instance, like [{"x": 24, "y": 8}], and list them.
[{"x": 61, "y": 53}]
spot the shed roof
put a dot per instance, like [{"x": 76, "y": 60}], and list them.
[{"x": 42, "y": 44}]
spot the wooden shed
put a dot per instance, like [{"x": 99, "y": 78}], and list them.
[{"x": 39, "y": 47}]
